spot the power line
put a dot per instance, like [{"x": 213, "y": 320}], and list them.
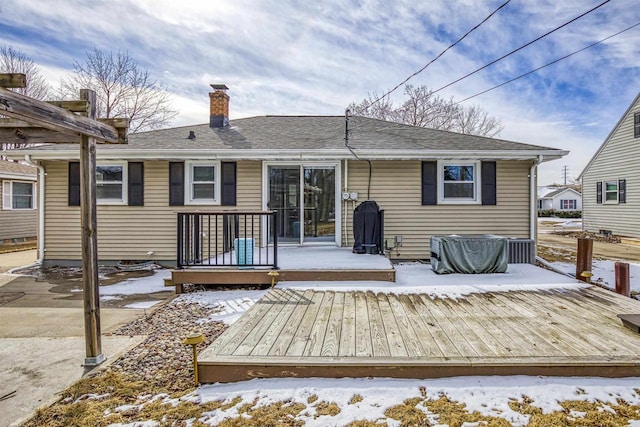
[
  {"x": 548, "y": 64},
  {"x": 440, "y": 54},
  {"x": 522, "y": 47}
]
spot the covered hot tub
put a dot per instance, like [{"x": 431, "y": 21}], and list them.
[{"x": 469, "y": 254}]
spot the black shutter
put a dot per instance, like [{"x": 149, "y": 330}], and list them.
[
  {"x": 176, "y": 183},
  {"x": 599, "y": 192},
  {"x": 74, "y": 184},
  {"x": 135, "y": 184},
  {"x": 488, "y": 183},
  {"x": 429, "y": 183},
  {"x": 622, "y": 191},
  {"x": 228, "y": 185}
]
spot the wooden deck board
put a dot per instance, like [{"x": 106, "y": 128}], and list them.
[
  {"x": 333, "y": 334},
  {"x": 364, "y": 341}
]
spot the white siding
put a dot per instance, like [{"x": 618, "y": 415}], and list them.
[
  {"x": 17, "y": 224},
  {"x": 619, "y": 158}
]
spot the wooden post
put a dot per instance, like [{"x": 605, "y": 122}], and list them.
[
  {"x": 88, "y": 220},
  {"x": 583, "y": 263},
  {"x": 622, "y": 279}
]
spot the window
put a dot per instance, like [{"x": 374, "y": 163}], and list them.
[
  {"x": 539, "y": 203},
  {"x": 203, "y": 182},
  {"x": 459, "y": 183},
  {"x": 111, "y": 184},
  {"x": 569, "y": 204},
  {"x": 18, "y": 195},
  {"x": 611, "y": 192},
  {"x": 636, "y": 125}
]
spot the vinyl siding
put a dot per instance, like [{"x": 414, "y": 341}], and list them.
[
  {"x": 17, "y": 224},
  {"x": 130, "y": 232},
  {"x": 619, "y": 158},
  {"x": 396, "y": 187}
]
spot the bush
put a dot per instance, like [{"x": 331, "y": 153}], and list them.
[{"x": 545, "y": 213}]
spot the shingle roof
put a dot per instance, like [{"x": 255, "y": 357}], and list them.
[
  {"x": 558, "y": 191},
  {"x": 12, "y": 168},
  {"x": 292, "y": 133}
]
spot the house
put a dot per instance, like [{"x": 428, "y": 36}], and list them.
[
  {"x": 610, "y": 181},
  {"x": 18, "y": 216},
  {"x": 429, "y": 182},
  {"x": 559, "y": 199}
]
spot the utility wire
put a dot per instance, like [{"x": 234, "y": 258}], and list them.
[
  {"x": 439, "y": 55},
  {"x": 521, "y": 47},
  {"x": 548, "y": 64}
]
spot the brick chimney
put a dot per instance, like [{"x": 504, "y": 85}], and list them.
[{"x": 219, "y": 106}]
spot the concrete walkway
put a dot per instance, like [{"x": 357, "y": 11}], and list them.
[{"x": 42, "y": 343}]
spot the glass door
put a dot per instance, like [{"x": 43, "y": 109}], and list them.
[
  {"x": 319, "y": 204},
  {"x": 284, "y": 197}
]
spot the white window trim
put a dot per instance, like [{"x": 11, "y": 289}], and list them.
[
  {"x": 7, "y": 196},
  {"x": 125, "y": 186},
  {"x": 604, "y": 192},
  {"x": 188, "y": 179},
  {"x": 475, "y": 200}
]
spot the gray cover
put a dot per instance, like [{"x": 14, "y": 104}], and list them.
[{"x": 469, "y": 254}]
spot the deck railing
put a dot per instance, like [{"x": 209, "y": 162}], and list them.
[{"x": 227, "y": 239}]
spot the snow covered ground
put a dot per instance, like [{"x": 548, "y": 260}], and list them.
[
  {"x": 487, "y": 395},
  {"x": 604, "y": 273}
]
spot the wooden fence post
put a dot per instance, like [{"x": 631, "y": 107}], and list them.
[
  {"x": 584, "y": 258},
  {"x": 622, "y": 279}
]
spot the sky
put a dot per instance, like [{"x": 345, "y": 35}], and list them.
[{"x": 315, "y": 58}]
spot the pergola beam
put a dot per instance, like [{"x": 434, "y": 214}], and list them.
[
  {"x": 21, "y": 132},
  {"x": 13, "y": 80},
  {"x": 49, "y": 116}
]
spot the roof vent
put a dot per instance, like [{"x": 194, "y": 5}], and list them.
[{"x": 192, "y": 135}]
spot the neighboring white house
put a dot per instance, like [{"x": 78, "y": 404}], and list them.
[
  {"x": 559, "y": 199},
  {"x": 18, "y": 215},
  {"x": 611, "y": 179}
]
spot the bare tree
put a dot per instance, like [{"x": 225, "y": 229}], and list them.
[
  {"x": 425, "y": 109},
  {"x": 476, "y": 121},
  {"x": 15, "y": 61},
  {"x": 123, "y": 89}
]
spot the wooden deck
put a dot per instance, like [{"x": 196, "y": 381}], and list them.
[{"x": 292, "y": 333}]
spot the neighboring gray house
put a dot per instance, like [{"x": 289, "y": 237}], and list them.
[
  {"x": 18, "y": 216},
  {"x": 559, "y": 199},
  {"x": 429, "y": 182},
  {"x": 611, "y": 180}
]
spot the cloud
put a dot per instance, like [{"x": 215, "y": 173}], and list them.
[{"x": 290, "y": 57}]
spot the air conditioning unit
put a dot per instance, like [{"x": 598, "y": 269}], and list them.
[{"x": 522, "y": 251}]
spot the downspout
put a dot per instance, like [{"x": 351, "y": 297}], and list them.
[
  {"x": 345, "y": 204},
  {"x": 533, "y": 195},
  {"x": 41, "y": 177}
]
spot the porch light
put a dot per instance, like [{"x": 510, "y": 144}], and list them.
[{"x": 193, "y": 340}]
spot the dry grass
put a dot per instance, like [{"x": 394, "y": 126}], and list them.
[
  {"x": 327, "y": 408},
  {"x": 356, "y": 398},
  {"x": 455, "y": 414},
  {"x": 274, "y": 414},
  {"x": 408, "y": 414}
]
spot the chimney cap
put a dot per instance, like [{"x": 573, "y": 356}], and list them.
[{"x": 219, "y": 86}]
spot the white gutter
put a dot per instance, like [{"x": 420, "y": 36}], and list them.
[
  {"x": 533, "y": 194},
  {"x": 40, "y": 207},
  {"x": 276, "y": 154}
]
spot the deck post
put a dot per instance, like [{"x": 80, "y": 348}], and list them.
[
  {"x": 179, "y": 241},
  {"x": 622, "y": 278},
  {"x": 274, "y": 230},
  {"x": 88, "y": 220},
  {"x": 584, "y": 258}
]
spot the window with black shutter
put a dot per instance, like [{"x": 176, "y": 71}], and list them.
[
  {"x": 429, "y": 183},
  {"x": 636, "y": 125},
  {"x": 176, "y": 183}
]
